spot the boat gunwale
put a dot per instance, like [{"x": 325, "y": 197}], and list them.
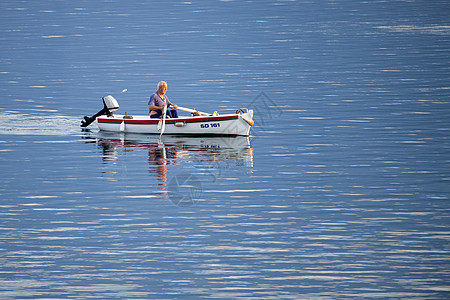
[{"x": 117, "y": 120}]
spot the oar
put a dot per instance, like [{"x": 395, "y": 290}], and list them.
[
  {"x": 249, "y": 121},
  {"x": 163, "y": 121},
  {"x": 193, "y": 111}
]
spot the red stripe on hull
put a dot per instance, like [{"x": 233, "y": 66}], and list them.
[{"x": 155, "y": 121}]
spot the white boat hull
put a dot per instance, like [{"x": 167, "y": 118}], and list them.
[{"x": 222, "y": 125}]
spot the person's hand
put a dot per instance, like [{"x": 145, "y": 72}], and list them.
[{"x": 175, "y": 106}]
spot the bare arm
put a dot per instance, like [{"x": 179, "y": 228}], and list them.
[{"x": 154, "y": 107}]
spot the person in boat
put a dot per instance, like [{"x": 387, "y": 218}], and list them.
[{"x": 158, "y": 100}]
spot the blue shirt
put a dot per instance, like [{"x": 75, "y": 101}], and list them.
[{"x": 156, "y": 100}]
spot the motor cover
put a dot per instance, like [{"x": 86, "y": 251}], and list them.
[{"x": 110, "y": 103}]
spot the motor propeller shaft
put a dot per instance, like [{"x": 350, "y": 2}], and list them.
[{"x": 110, "y": 105}]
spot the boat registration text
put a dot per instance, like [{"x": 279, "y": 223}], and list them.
[{"x": 213, "y": 125}]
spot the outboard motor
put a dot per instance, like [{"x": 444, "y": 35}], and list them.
[{"x": 110, "y": 105}]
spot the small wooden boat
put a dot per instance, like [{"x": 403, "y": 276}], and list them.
[{"x": 237, "y": 123}]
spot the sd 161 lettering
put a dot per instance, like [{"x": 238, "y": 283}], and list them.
[{"x": 211, "y": 125}]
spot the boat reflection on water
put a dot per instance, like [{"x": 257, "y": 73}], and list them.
[{"x": 181, "y": 165}]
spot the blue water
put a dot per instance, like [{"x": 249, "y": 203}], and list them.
[{"x": 341, "y": 191}]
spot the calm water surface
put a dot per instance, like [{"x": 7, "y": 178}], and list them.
[{"x": 341, "y": 191}]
